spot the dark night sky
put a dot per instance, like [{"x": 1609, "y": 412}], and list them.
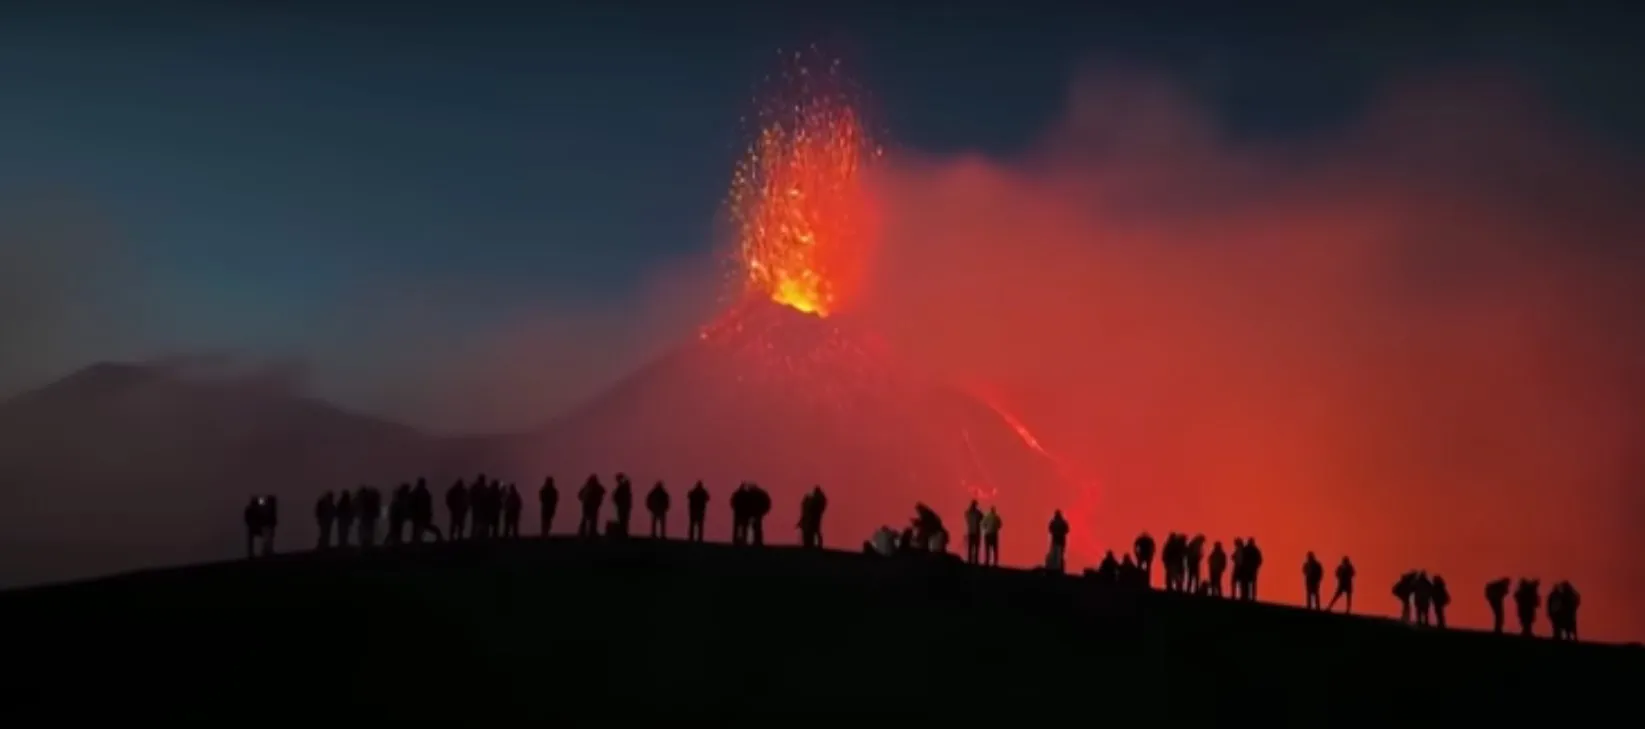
[{"x": 363, "y": 186}]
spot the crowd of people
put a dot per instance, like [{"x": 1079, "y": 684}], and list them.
[{"x": 487, "y": 508}]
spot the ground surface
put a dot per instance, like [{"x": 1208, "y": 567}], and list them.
[{"x": 617, "y": 632}]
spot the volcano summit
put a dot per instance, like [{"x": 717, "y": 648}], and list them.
[{"x": 786, "y": 387}]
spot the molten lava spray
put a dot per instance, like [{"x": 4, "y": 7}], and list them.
[{"x": 798, "y": 199}]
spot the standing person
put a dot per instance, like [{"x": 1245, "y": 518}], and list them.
[
  {"x": 973, "y": 533},
  {"x": 696, "y": 504},
  {"x": 1345, "y": 586},
  {"x": 991, "y": 524}
]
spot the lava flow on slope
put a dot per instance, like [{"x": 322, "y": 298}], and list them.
[{"x": 788, "y": 387}]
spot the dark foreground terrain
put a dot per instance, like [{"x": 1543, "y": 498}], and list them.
[{"x": 617, "y": 632}]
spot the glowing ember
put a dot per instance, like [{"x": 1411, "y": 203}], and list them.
[{"x": 798, "y": 203}]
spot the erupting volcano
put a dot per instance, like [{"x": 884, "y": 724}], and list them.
[{"x": 789, "y": 388}]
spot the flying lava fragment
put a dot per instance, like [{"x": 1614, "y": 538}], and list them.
[{"x": 798, "y": 199}]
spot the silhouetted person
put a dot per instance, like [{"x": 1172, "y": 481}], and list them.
[
  {"x": 254, "y": 525},
  {"x": 973, "y": 533},
  {"x": 1563, "y": 602},
  {"x": 399, "y": 509},
  {"x": 1441, "y": 596},
  {"x": 819, "y": 503},
  {"x": 812, "y": 506},
  {"x": 512, "y": 506},
  {"x": 1171, "y": 554},
  {"x": 325, "y": 512},
  {"x": 1496, "y": 593},
  {"x": 1345, "y": 586},
  {"x": 457, "y": 510},
  {"x": 422, "y": 512},
  {"x": 1313, "y": 573},
  {"x": 1143, "y": 547},
  {"x": 696, "y": 508},
  {"x": 657, "y": 503},
  {"x": 622, "y": 501},
  {"x": 1573, "y": 600},
  {"x": 477, "y": 501},
  {"x": 1253, "y": 567},
  {"x": 991, "y": 524},
  {"x": 1195, "y": 554},
  {"x": 548, "y": 501},
  {"x": 928, "y": 529},
  {"x": 1236, "y": 573},
  {"x": 1527, "y": 598},
  {"x": 271, "y": 522},
  {"x": 345, "y": 517},
  {"x": 1058, "y": 528},
  {"x": 487, "y": 507},
  {"x": 739, "y": 514},
  {"x": 591, "y": 496},
  {"x": 1215, "y": 565},
  {"x": 368, "y": 502},
  {"x": 1405, "y": 589},
  {"x": 1422, "y": 596},
  {"x": 759, "y": 505},
  {"x": 1108, "y": 570}
]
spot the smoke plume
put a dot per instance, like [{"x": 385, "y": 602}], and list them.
[{"x": 1413, "y": 341}]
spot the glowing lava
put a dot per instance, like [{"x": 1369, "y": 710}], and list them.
[{"x": 798, "y": 201}]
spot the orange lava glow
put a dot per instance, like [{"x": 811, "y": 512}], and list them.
[{"x": 799, "y": 206}]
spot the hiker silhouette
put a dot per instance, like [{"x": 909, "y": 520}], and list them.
[
  {"x": 345, "y": 517},
  {"x": 457, "y": 509},
  {"x": 591, "y": 496},
  {"x": 696, "y": 505},
  {"x": 1143, "y": 548},
  {"x": 325, "y": 514},
  {"x": 622, "y": 501},
  {"x": 399, "y": 509},
  {"x": 1422, "y": 596},
  {"x": 1171, "y": 559},
  {"x": 991, "y": 524},
  {"x": 1253, "y": 567},
  {"x": 657, "y": 504},
  {"x": 1215, "y": 565},
  {"x": 512, "y": 506},
  {"x": 1345, "y": 586},
  {"x": 422, "y": 512},
  {"x": 973, "y": 533},
  {"x": 1496, "y": 594},
  {"x": 1313, "y": 573},
  {"x": 812, "y": 506},
  {"x": 1195, "y": 554},
  {"x": 253, "y": 517},
  {"x": 369, "y": 503},
  {"x": 1058, "y": 529},
  {"x": 759, "y": 505},
  {"x": 1441, "y": 597},
  {"x": 1527, "y": 598},
  {"x": 548, "y": 501},
  {"x": 740, "y": 511},
  {"x": 1563, "y": 601}
]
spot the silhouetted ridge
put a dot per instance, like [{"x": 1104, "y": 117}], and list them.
[{"x": 645, "y": 630}]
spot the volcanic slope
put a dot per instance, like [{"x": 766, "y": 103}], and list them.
[
  {"x": 603, "y": 632},
  {"x": 790, "y": 400}
]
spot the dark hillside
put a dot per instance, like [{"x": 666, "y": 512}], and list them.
[{"x": 618, "y": 632}]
